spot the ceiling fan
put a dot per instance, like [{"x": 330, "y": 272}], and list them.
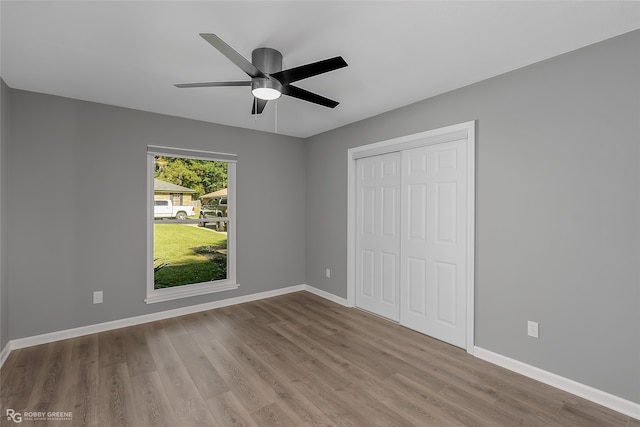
[{"x": 268, "y": 79}]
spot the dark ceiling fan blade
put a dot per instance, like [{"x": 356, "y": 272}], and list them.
[
  {"x": 213, "y": 84},
  {"x": 305, "y": 95},
  {"x": 260, "y": 104},
  {"x": 233, "y": 56},
  {"x": 304, "y": 71}
]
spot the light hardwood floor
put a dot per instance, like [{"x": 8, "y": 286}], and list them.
[{"x": 293, "y": 360}]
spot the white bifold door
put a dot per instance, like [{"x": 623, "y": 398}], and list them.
[
  {"x": 378, "y": 235},
  {"x": 411, "y": 238}
]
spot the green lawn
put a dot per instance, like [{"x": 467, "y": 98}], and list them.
[{"x": 188, "y": 254}]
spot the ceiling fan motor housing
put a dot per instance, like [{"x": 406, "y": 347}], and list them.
[{"x": 267, "y": 60}]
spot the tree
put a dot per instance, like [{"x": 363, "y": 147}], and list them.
[{"x": 203, "y": 176}]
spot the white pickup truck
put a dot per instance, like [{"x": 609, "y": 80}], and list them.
[{"x": 166, "y": 209}]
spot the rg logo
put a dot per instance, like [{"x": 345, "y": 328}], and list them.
[{"x": 14, "y": 416}]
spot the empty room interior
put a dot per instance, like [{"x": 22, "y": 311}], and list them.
[{"x": 320, "y": 213}]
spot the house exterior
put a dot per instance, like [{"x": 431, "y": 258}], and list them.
[
  {"x": 179, "y": 196},
  {"x": 214, "y": 195}
]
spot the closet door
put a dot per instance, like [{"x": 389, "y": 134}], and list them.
[
  {"x": 434, "y": 227},
  {"x": 378, "y": 234}
]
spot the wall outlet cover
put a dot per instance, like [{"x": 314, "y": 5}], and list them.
[
  {"x": 532, "y": 329},
  {"x": 97, "y": 297}
]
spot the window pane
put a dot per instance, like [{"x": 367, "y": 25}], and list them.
[
  {"x": 190, "y": 252},
  {"x": 185, "y": 254}
]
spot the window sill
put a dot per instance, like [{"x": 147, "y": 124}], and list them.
[{"x": 169, "y": 294}]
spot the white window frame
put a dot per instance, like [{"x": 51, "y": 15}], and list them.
[{"x": 184, "y": 291}]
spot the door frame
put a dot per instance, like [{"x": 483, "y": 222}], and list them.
[{"x": 456, "y": 132}]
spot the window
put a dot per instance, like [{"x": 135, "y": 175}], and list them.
[
  {"x": 191, "y": 230},
  {"x": 177, "y": 198}
]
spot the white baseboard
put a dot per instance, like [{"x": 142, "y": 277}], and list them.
[
  {"x": 5, "y": 353},
  {"x": 600, "y": 397},
  {"x": 327, "y": 295}
]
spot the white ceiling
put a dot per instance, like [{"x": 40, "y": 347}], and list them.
[{"x": 130, "y": 54}]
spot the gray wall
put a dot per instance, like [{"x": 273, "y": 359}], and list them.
[
  {"x": 76, "y": 203},
  {"x": 4, "y": 139},
  {"x": 558, "y": 208}
]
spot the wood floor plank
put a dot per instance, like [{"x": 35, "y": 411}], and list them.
[
  {"x": 9, "y": 366},
  {"x": 432, "y": 402},
  {"x": 377, "y": 412},
  {"x": 115, "y": 396},
  {"x": 415, "y": 412},
  {"x": 325, "y": 319},
  {"x": 482, "y": 406},
  {"x": 172, "y": 327},
  {"x": 587, "y": 415},
  {"x": 266, "y": 341},
  {"x": 137, "y": 353},
  {"x": 55, "y": 382},
  {"x": 19, "y": 376},
  {"x": 186, "y": 402},
  {"x": 273, "y": 415},
  {"x": 153, "y": 407},
  {"x": 297, "y": 336},
  {"x": 282, "y": 312},
  {"x": 85, "y": 359},
  {"x": 356, "y": 353},
  {"x": 259, "y": 310},
  {"x": 283, "y": 363},
  {"x": 332, "y": 378},
  {"x": 355, "y": 386},
  {"x": 229, "y": 411},
  {"x": 332, "y": 405},
  {"x": 292, "y": 312},
  {"x": 296, "y": 406},
  {"x": 295, "y": 359},
  {"x": 633, "y": 422},
  {"x": 164, "y": 355},
  {"x": 245, "y": 385},
  {"x": 204, "y": 375},
  {"x": 196, "y": 323},
  {"x": 111, "y": 348},
  {"x": 250, "y": 330},
  {"x": 237, "y": 312}
]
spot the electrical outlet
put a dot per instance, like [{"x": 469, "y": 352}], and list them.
[
  {"x": 532, "y": 329},
  {"x": 97, "y": 297},
  {"x": 327, "y": 273}
]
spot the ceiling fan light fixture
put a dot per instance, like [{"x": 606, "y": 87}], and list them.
[{"x": 266, "y": 89}]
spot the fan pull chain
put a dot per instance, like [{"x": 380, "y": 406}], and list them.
[
  {"x": 276, "y": 116},
  {"x": 255, "y": 110}
]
